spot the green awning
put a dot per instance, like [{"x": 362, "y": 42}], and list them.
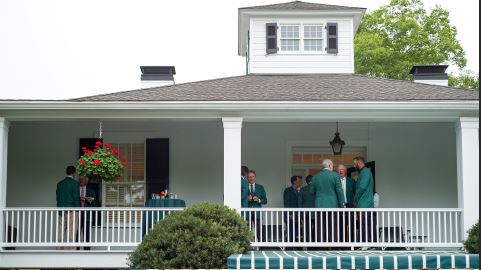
[{"x": 353, "y": 260}]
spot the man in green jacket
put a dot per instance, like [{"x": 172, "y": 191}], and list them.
[
  {"x": 364, "y": 198},
  {"x": 257, "y": 197},
  {"x": 308, "y": 202},
  {"x": 293, "y": 199},
  {"x": 68, "y": 195},
  {"x": 244, "y": 187},
  {"x": 87, "y": 199},
  {"x": 327, "y": 188}
]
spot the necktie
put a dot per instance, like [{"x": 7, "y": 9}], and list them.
[
  {"x": 82, "y": 196},
  {"x": 252, "y": 188}
]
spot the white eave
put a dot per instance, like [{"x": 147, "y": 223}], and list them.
[
  {"x": 244, "y": 16},
  {"x": 445, "y": 111}
]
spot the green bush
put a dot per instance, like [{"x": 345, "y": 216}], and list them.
[
  {"x": 201, "y": 236},
  {"x": 472, "y": 243}
]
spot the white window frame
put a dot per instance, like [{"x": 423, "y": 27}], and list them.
[{"x": 301, "y": 37}]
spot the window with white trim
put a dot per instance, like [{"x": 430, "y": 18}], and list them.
[
  {"x": 290, "y": 38},
  {"x": 301, "y": 38},
  {"x": 313, "y": 38},
  {"x": 129, "y": 190}
]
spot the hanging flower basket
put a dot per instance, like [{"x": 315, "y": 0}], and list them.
[{"x": 104, "y": 162}]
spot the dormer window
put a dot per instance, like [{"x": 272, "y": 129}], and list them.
[{"x": 302, "y": 38}]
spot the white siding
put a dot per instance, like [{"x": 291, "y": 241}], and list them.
[
  {"x": 293, "y": 63},
  {"x": 413, "y": 160}
]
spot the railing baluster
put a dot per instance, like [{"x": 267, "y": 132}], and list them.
[
  {"x": 445, "y": 228},
  {"x": 439, "y": 228},
  {"x": 456, "y": 226}
]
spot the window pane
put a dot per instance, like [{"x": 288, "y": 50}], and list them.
[
  {"x": 313, "y": 45},
  {"x": 313, "y": 31},
  {"x": 289, "y": 31},
  {"x": 290, "y": 45}
]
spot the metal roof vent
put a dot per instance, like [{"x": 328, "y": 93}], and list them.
[
  {"x": 430, "y": 74},
  {"x": 155, "y": 76}
]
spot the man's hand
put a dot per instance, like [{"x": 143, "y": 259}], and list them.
[
  {"x": 250, "y": 197},
  {"x": 256, "y": 199}
]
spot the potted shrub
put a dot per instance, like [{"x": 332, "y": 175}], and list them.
[{"x": 199, "y": 237}]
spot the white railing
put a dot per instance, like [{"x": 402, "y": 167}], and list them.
[
  {"x": 106, "y": 228},
  {"x": 82, "y": 227},
  {"x": 382, "y": 228}
]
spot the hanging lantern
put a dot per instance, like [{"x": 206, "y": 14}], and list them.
[{"x": 337, "y": 144}]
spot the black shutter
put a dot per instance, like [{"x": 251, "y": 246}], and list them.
[
  {"x": 157, "y": 165},
  {"x": 271, "y": 38},
  {"x": 332, "y": 38}
]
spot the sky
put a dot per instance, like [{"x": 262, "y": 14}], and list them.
[{"x": 60, "y": 49}]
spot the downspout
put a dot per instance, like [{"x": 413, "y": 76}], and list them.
[{"x": 247, "y": 53}]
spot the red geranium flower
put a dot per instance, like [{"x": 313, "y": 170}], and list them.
[
  {"x": 89, "y": 152},
  {"x": 107, "y": 145},
  {"x": 98, "y": 143},
  {"x": 82, "y": 162},
  {"x": 96, "y": 162},
  {"x": 97, "y": 146}
]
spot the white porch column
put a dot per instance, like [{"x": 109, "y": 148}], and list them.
[
  {"x": 232, "y": 161},
  {"x": 467, "y": 148},
  {"x": 4, "y": 126}
]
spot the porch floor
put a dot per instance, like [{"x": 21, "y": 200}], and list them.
[{"x": 353, "y": 260}]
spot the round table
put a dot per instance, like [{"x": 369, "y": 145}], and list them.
[
  {"x": 152, "y": 217},
  {"x": 167, "y": 203}
]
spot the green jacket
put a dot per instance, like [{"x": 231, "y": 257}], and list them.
[
  {"x": 327, "y": 188},
  {"x": 68, "y": 193},
  {"x": 292, "y": 199},
  {"x": 244, "y": 193},
  {"x": 365, "y": 189},
  {"x": 259, "y": 192},
  {"x": 308, "y": 199},
  {"x": 350, "y": 190}
]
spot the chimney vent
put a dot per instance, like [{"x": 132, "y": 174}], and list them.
[
  {"x": 154, "y": 76},
  {"x": 430, "y": 74}
]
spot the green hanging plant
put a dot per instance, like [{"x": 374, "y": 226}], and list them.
[{"x": 104, "y": 162}]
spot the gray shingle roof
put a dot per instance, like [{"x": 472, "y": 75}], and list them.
[
  {"x": 310, "y": 87},
  {"x": 299, "y": 5}
]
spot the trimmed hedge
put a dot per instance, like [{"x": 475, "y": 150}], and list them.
[
  {"x": 472, "y": 243},
  {"x": 201, "y": 236}
]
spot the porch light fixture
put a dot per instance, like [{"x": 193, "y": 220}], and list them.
[{"x": 337, "y": 144}]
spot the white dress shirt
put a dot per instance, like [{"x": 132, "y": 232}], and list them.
[{"x": 343, "y": 182}]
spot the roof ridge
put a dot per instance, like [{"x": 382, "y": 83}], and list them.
[{"x": 300, "y": 2}]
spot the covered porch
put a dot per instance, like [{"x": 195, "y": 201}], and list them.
[{"x": 426, "y": 171}]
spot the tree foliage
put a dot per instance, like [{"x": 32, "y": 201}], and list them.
[
  {"x": 402, "y": 34},
  {"x": 466, "y": 80},
  {"x": 199, "y": 237},
  {"x": 472, "y": 243}
]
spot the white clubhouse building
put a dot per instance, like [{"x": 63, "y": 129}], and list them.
[{"x": 278, "y": 120}]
